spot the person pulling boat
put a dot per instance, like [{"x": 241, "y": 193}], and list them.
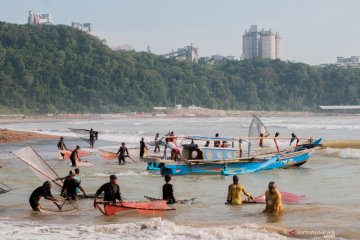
[
  {"x": 168, "y": 191},
  {"x": 111, "y": 191},
  {"x": 234, "y": 192},
  {"x": 61, "y": 146},
  {"x": 70, "y": 186},
  {"x": 293, "y": 137},
  {"x": 123, "y": 152},
  {"x": 273, "y": 200},
  {"x": 42, "y": 191},
  {"x": 74, "y": 157}
]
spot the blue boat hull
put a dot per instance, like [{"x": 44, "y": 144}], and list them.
[{"x": 285, "y": 160}]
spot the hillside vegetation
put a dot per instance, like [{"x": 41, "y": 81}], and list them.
[{"x": 59, "y": 69}]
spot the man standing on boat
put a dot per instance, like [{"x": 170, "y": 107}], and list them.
[
  {"x": 42, "y": 191},
  {"x": 61, "y": 146},
  {"x": 216, "y": 143},
  {"x": 273, "y": 200},
  {"x": 111, "y": 191},
  {"x": 142, "y": 147},
  {"x": 157, "y": 143},
  {"x": 122, "y": 152},
  {"x": 234, "y": 192},
  {"x": 293, "y": 137}
]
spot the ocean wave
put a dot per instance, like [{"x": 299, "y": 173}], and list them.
[
  {"x": 346, "y": 153},
  {"x": 155, "y": 228}
]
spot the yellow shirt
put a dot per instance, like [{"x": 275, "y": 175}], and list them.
[
  {"x": 273, "y": 202},
  {"x": 234, "y": 194}
]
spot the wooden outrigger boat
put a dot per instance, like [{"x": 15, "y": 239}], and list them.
[{"x": 110, "y": 208}]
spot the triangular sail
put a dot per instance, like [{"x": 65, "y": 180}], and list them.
[
  {"x": 38, "y": 166},
  {"x": 255, "y": 130},
  {"x": 84, "y": 134}
]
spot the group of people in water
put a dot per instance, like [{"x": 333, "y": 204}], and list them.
[{"x": 72, "y": 187}]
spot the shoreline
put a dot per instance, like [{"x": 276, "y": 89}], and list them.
[
  {"x": 195, "y": 112},
  {"x": 14, "y": 136}
]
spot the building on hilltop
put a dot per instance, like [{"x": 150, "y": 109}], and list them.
[
  {"x": 37, "y": 19},
  {"x": 187, "y": 53},
  {"x": 263, "y": 44},
  {"x": 350, "y": 62},
  {"x": 86, "y": 27}
]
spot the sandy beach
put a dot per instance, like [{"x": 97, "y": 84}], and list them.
[{"x": 12, "y": 136}]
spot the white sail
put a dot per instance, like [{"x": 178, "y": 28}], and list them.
[{"x": 38, "y": 166}]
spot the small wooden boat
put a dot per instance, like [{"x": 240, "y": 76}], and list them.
[
  {"x": 110, "y": 208},
  {"x": 181, "y": 201}
]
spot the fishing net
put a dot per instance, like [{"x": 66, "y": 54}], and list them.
[
  {"x": 256, "y": 129},
  {"x": 38, "y": 166},
  {"x": 83, "y": 134}
]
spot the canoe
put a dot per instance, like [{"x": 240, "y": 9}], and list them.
[{"x": 141, "y": 206}]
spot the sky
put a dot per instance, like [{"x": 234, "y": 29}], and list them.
[{"x": 312, "y": 31}]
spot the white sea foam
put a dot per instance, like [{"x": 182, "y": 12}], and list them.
[
  {"x": 155, "y": 228},
  {"x": 346, "y": 153}
]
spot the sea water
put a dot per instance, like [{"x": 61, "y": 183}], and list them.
[{"x": 330, "y": 179}]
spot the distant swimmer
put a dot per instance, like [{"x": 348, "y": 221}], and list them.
[
  {"x": 69, "y": 188},
  {"x": 42, "y": 191},
  {"x": 74, "y": 157},
  {"x": 168, "y": 191},
  {"x": 142, "y": 147},
  {"x": 123, "y": 153},
  {"x": 111, "y": 191},
  {"x": 293, "y": 137},
  {"x": 234, "y": 192},
  {"x": 273, "y": 200},
  {"x": 157, "y": 143},
  {"x": 61, "y": 146},
  {"x": 216, "y": 143}
]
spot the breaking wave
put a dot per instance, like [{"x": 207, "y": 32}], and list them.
[
  {"x": 155, "y": 228},
  {"x": 346, "y": 153}
]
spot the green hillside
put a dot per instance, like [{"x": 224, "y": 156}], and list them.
[{"x": 59, "y": 69}]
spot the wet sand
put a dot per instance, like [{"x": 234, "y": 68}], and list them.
[{"x": 12, "y": 136}]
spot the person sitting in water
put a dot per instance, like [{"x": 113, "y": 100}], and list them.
[
  {"x": 61, "y": 146},
  {"x": 234, "y": 192},
  {"x": 111, "y": 191},
  {"x": 273, "y": 200},
  {"x": 157, "y": 143},
  {"x": 142, "y": 147},
  {"x": 168, "y": 191},
  {"x": 74, "y": 156},
  {"x": 216, "y": 143},
  {"x": 123, "y": 153},
  {"x": 42, "y": 191},
  {"x": 69, "y": 188}
]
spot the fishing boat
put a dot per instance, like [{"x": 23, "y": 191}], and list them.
[
  {"x": 242, "y": 155},
  {"x": 178, "y": 201},
  {"x": 286, "y": 198},
  {"x": 110, "y": 208}
]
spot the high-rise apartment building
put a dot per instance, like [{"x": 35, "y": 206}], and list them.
[{"x": 263, "y": 44}]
